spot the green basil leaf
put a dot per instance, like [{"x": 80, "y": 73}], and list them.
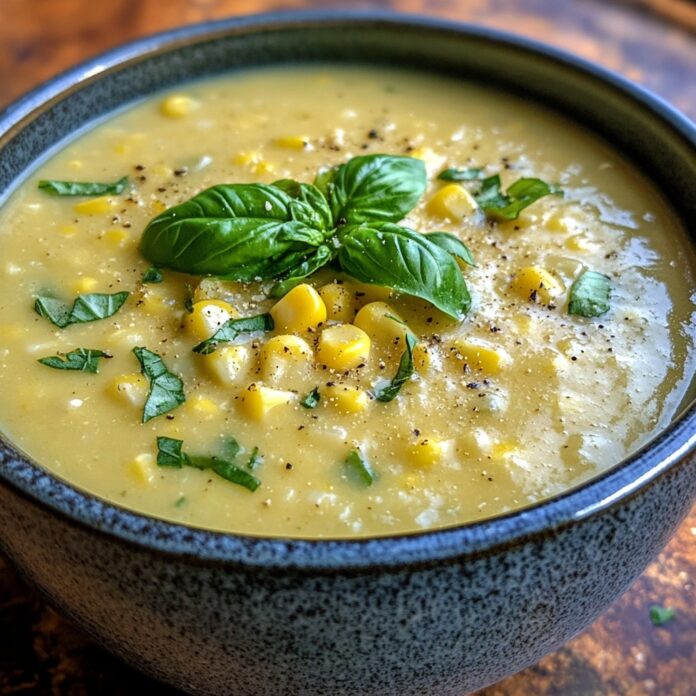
[
  {"x": 152, "y": 275},
  {"x": 233, "y": 328},
  {"x": 310, "y": 205},
  {"x": 84, "y": 309},
  {"x": 312, "y": 399},
  {"x": 589, "y": 295},
  {"x": 359, "y": 469},
  {"x": 403, "y": 373},
  {"x": 323, "y": 255},
  {"x": 453, "y": 245},
  {"x": 80, "y": 359},
  {"x": 520, "y": 195},
  {"x": 238, "y": 231},
  {"x": 166, "y": 389},
  {"x": 82, "y": 188},
  {"x": 169, "y": 452},
  {"x": 659, "y": 616},
  {"x": 456, "y": 174},
  {"x": 255, "y": 460},
  {"x": 373, "y": 188},
  {"x": 399, "y": 258}
]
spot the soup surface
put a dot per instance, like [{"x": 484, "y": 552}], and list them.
[{"x": 513, "y": 401}]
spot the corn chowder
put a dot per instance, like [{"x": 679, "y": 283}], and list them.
[{"x": 338, "y": 302}]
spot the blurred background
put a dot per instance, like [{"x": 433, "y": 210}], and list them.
[{"x": 652, "y": 42}]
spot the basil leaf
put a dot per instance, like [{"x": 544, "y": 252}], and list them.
[
  {"x": 659, "y": 616},
  {"x": 456, "y": 174},
  {"x": 169, "y": 452},
  {"x": 373, "y": 188},
  {"x": 399, "y": 258},
  {"x": 403, "y": 374},
  {"x": 589, "y": 295},
  {"x": 323, "y": 255},
  {"x": 255, "y": 460},
  {"x": 82, "y": 188},
  {"x": 152, "y": 275},
  {"x": 359, "y": 469},
  {"x": 310, "y": 205},
  {"x": 166, "y": 389},
  {"x": 84, "y": 309},
  {"x": 312, "y": 399},
  {"x": 231, "y": 448},
  {"x": 81, "y": 359},
  {"x": 453, "y": 245},
  {"x": 233, "y": 328},
  {"x": 520, "y": 195}
]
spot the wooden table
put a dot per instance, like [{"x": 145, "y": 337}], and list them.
[{"x": 622, "y": 654}]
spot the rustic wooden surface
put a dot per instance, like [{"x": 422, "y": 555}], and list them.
[{"x": 622, "y": 654}]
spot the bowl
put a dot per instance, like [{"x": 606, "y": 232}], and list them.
[{"x": 441, "y": 612}]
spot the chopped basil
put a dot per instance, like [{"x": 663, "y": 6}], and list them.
[
  {"x": 456, "y": 174},
  {"x": 233, "y": 328},
  {"x": 80, "y": 359},
  {"x": 255, "y": 460},
  {"x": 153, "y": 275},
  {"x": 403, "y": 374},
  {"x": 82, "y": 188},
  {"x": 520, "y": 195},
  {"x": 589, "y": 295},
  {"x": 661, "y": 615},
  {"x": 170, "y": 454},
  {"x": 312, "y": 399},
  {"x": 84, "y": 309},
  {"x": 453, "y": 245},
  {"x": 359, "y": 469},
  {"x": 181, "y": 500},
  {"x": 166, "y": 389}
]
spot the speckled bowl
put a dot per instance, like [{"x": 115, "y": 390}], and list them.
[{"x": 441, "y": 612}]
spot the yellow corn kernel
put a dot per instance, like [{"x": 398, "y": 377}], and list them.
[
  {"x": 263, "y": 167},
  {"x": 157, "y": 207},
  {"x": 142, "y": 468},
  {"x": 381, "y": 323},
  {"x": 156, "y": 301},
  {"x": 202, "y": 406},
  {"x": 345, "y": 399},
  {"x": 68, "y": 230},
  {"x": 426, "y": 451},
  {"x": 95, "y": 206},
  {"x": 246, "y": 158},
  {"x": 503, "y": 449},
  {"x": 579, "y": 242},
  {"x": 282, "y": 353},
  {"x": 558, "y": 222},
  {"x": 536, "y": 285},
  {"x": 452, "y": 202},
  {"x": 178, "y": 106},
  {"x": 227, "y": 364},
  {"x": 294, "y": 142},
  {"x": 207, "y": 317},
  {"x": 162, "y": 170},
  {"x": 422, "y": 358},
  {"x": 301, "y": 309},
  {"x": 343, "y": 347},
  {"x": 480, "y": 357},
  {"x": 257, "y": 400},
  {"x": 85, "y": 284},
  {"x": 432, "y": 160},
  {"x": 339, "y": 300},
  {"x": 116, "y": 237},
  {"x": 129, "y": 389}
]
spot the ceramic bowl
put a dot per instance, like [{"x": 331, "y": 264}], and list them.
[{"x": 442, "y": 612}]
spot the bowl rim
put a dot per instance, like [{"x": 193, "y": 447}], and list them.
[{"x": 369, "y": 554}]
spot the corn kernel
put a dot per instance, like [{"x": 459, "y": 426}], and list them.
[
  {"x": 558, "y": 222},
  {"x": 294, "y": 142},
  {"x": 343, "y": 347},
  {"x": 68, "y": 230},
  {"x": 381, "y": 323},
  {"x": 95, "y": 206},
  {"x": 432, "y": 160},
  {"x": 207, "y": 317},
  {"x": 202, "y": 406},
  {"x": 339, "y": 300},
  {"x": 263, "y": 167},
  {"x": 536, "y": 285},
  {"x": 142, "y": 469},
  {"x": 579, "y": 242},
  {"x": 162, "y": 170},
  {"x": 503, "y": 449},
  {"x": 301, "y": 309},
  {"x": 283, "y": 353},
  {"x": 129, "y": 389},
  {"x": 85, "y": 284},
  {"x": 257, "y": 400},
  {"x": 116, "y": 237},
  {"x": 246, "y": 158},
  {"x": 227, "y": 364},
  {"x": 452, "y": 202},
  {"x": 345, "y": 399},
  {"x": 480, "y": 357},
  {"x": 157, "y": 207},
  {"x": 178, "y": 106},
  {"x": 426, "y": 451}
]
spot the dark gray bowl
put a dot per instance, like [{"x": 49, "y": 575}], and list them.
[{"x": 441, "y": 612}]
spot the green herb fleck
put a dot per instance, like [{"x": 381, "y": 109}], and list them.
[
  {"x": 233, "y": 328},
  {"x": 153, "y": 275},
  {"x": 403, "y": 374},
  {"x": 255, "y": 460},
  {"x": 80, "y": 359},
  {"x": 359, "y": 469},
  {"x": 84, "y": 309},
  {"x": 464, "y": 174},
  {"x": 520, "y": 195},
  {"x": 312, "y": 399},
  {"x": 453, "y": 245},
  {"x": 181, "y": 500},
  {"x": 661, "y": 615},
  {"x": 166, "y": 389},
  {"x": 589, "y": 295},
  {"x": 82, "y": 188}
]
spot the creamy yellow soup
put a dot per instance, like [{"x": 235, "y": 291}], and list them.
[{"x": 517, "y": 401}]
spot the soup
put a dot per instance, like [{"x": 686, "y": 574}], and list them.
[{"x": 478, "y": 306}]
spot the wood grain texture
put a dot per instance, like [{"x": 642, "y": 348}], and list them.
[{"x": 622, "y": 654}]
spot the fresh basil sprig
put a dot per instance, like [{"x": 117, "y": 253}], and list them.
[
  {"x": 403, "y": 374},
  {"x": 166, "y": 389},
  {"x": 589, "y": 295},
  {"x": 359, "y": 469},
  {"x": 520, "y": 195},
  {"x": 80, "y": 359},
  {"x": 83, "y": 188},
  {"x": 84, "y": 309},
  {"x": 233, "y": 328}
]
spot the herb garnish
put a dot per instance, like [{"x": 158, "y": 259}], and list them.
[
  {"x": 453, "y": 245},
  {"x": 84, "y": 309},
  {"x": 456, "y": 174},
  {"x": 255, "y": 460},
  {"x": 82, "y": 188},
  {"x": 80, "y": 359},
  {"x": 312, "y": 399},
  {"x": 231, "y": 329},
  {"x": 170, "y": 454},
  {"x": 589, "y": 295},
  {"x": 288, "y": 230},
  {"x": 520, "y": 195},
  {"x": 152, "y": 275},
  {"x": 661, "y": 615},
  {"x": 166, "y": 389},
  {"x": 403, "y": 374},
  {"x": 359, "y": 469}
]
